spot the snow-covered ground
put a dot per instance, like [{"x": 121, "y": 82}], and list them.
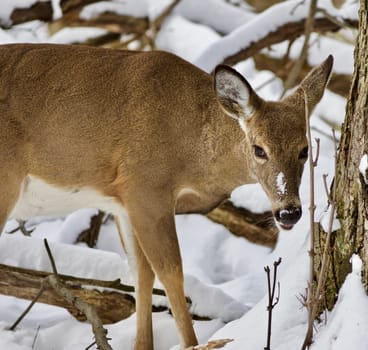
[{"x": 224, "y": 274}]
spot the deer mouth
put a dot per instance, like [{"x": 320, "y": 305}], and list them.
[{"x": 286, "y": 227}]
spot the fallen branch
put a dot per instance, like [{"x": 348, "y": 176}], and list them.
[
  {"x": 42, "y": 10},
  {"x": 288, "y": 31},
  {"x": 112, "y": 22},
  {"x": 87, "y": 309},
  {"x": 112, "y": 305},
  {"x": 257, "y": 228},
  {"x": 110, "y": 298}
]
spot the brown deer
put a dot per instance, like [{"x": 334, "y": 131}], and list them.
[{"x": 144, "y": 135}]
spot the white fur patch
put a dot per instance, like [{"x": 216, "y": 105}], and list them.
[
  {"x": 241, "y": 122},
  {"x": 281, "y": 183},
  {"x": 38, "y": 198}
]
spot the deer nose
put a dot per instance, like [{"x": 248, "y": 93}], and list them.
[{"x": 288, "y": 217}]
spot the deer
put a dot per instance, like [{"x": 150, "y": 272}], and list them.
[{"x": 144, "y": 136}]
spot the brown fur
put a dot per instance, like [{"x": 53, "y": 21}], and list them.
[{"x": 140, "y": 127}]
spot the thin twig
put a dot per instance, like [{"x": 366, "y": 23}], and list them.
[
  {"x": 315, "y": 160},
  {"x": 52, "y": 261},
  {"x": 28, "y": 309},
  {"x": 35, "y": 337},
  {"x": 297, "y": 68},
  {"x": 156, "y": 24},
  {"x": 324, "y": 176},
  {"x": 312, "y": 207},
  {"x": 335, "y": 20},
  {"x": 271, "y": 297},
  {"x": 265, "y": 83},
  {"x": 325, "y": 260}
]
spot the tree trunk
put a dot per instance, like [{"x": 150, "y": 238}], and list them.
[{"x": 351, "y": 190}]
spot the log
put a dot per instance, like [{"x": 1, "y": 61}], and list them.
[
  {"x": 257, "y": 228},
  {"x": 111, "y": 306},
  {"x": 114, "y": 23}
]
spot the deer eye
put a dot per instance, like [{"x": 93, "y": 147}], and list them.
[
  {"x": 304, "y": 153},
  {"x": 259, "y": 152}
]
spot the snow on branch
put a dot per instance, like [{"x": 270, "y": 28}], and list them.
[
  {"x": 284, "y": 21},
  {"x": 216, "y": 14}
]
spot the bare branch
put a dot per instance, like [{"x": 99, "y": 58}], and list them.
[
  {"x": 288, "y": 31},
  {"x": 309, "y": 334},
  {"x": 271, "y": 297},
  {"x": 52, "y": 261},
  {"x": 297, "y": 68},
  {"x": 99, "y": 331},
  {"x": 326, "y": 187},
  {"x": 315, "y": 161},
  {"x": 88, "y": 310},
  {"x": 28, "y": 309}
]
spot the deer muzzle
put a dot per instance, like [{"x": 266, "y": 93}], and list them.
[{"x": 288, "y": 217}]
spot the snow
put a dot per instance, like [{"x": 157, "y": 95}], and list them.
[
  {"x": 325, "y": 221},
  {"x": 156, "y": 7},
  {"x": 363, "y": 168},
  {"x": 224, "y": 274},
  {"x": 56, "y": 9},
  {"x": 216, "y": 14},
  {"x": 352, "y": 304},
  {"x": 185, "y": 38},
  {"x": 121, "y": 7},
  {"x": 247, "y": 195}
]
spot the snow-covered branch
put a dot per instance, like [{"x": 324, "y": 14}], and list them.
[{"x": 284, "y": 21}]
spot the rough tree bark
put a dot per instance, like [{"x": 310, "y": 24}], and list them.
[{"x": 351, "y": 190}]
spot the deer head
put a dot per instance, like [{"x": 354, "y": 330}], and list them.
[{"x": 275, "y": 134}]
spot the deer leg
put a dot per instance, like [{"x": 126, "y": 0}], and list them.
[
  {"x": 154, "y": 227},
  {"x": 9, "y": 192},
  {"x": 144, "y": 338}
]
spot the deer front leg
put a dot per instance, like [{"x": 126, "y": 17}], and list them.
[
  {"x": 154, "y": 227},
  {"x": 144, "y": 285}
]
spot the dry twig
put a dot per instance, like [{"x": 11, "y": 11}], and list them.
[
  {"x": 312, "y": 207},
  {"x": 272, "y": 302},
  {"x": 55, "y": 282},
  {"x": 314, "y": 297},
  {"x": 297, "y": 68}
]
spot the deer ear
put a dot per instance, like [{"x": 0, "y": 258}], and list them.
[
  {"x": 315, "y": 82},
  {"x": 235, "y": 94}
]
